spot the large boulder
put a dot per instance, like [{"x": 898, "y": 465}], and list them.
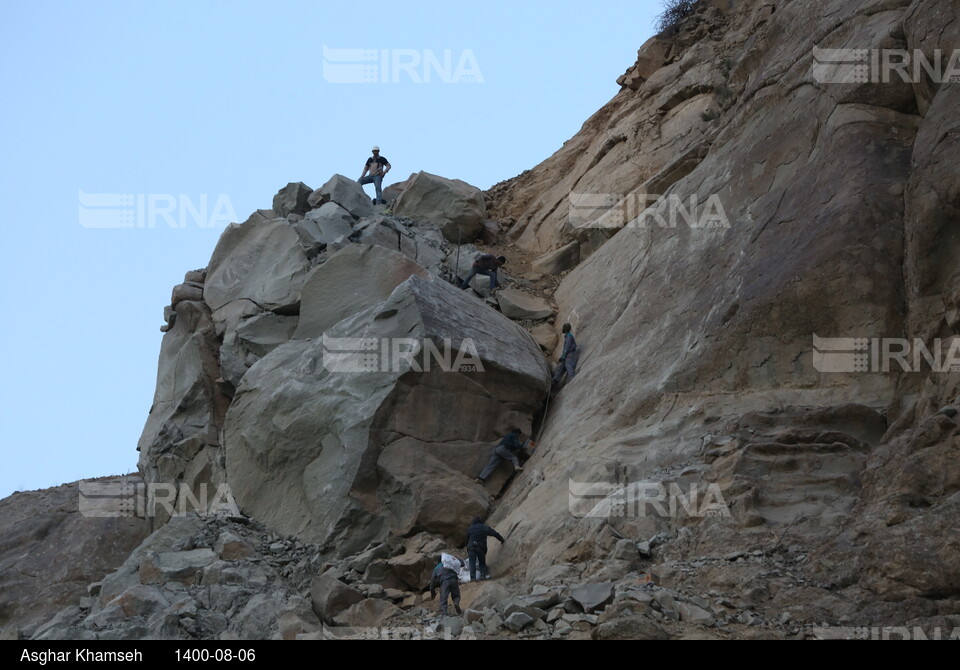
[
  {"x": 347, "y": 193},
  {"x": 292, "y": 199},
  {"x": 516, "y": 304},
  {"x": 360, "y": 441},
  {"x": 330, "y": 596},
  {"x": 454, "y": 205},
  {"x": 413, "y": 569},
  {"x": 261, "y": 261},
  {"x": 592, "y": 597},
  {"x": 393, "y": 191},
  {"x": 353, "y": 279},
  {"x": 324, "y": 225}
]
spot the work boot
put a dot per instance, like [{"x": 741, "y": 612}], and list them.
[
  {"x": 456, "y": 607},
  {"x": 374, "y": 201}
]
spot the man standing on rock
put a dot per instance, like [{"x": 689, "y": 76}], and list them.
[
  {"x": 378, "y": 167},
  {"x": 505, "y": 451},
  {"x": 477, "y": 535},
  {"x": 485, "y": 264}
]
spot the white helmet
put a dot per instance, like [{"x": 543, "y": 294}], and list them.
[{"x": 375, "y": 149}]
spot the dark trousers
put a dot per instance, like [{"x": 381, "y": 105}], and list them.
[
  {"x": 478, "y": 560},
  {"x": 449, "y": 587},
  {"x": 479, "y": 271},
  {"x": 501, "y": 453}
]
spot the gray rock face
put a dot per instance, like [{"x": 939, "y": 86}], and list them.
[
  {"x": 179, "y": 566},
  {"x": 419, "y": 242},
  {"x": 450, "y": 203},
  {"x": 171, "y": 537},
  {"x": 180, "y": 440},
  {"x": 261, "y": 261},
  {"x": 51, "y": 551},
  {"x": 249, "y": 338},
  {"x": 349, "y": 432},
  {"x": 345, "y": 192},
  {"x": 356, "y": 277},
  {"x": 322, "y": 226},
  {"x": 516, "y": 304},
  {"x": 292, "y": 199},
  {"x": 695, "y": 351}
]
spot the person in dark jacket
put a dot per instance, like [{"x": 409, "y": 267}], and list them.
[
  {"x": 505, "y": 451},
  {"x": 477, "y": 535},
  {"x": 485, "y": 264},
  {"x": 568, "y": 357},
  {"x": 449, "y": 583}
]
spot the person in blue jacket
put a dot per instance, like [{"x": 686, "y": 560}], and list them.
[{"x": 568, "y": 357}]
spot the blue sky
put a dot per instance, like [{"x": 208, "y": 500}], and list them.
[{"x": 227, "y": 102}]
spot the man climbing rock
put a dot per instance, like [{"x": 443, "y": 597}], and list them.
[
  {"x": 485, "y": 264},
  {"x": 446, "y": 576},
  {"x": 378, "y": 167},
  {"x": 568, "y": 357},
  {"x": 505, "y": 451},
  {"x": 477, "y": 535}
]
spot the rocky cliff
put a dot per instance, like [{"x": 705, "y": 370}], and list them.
[
  {"x": 714, "y": 469},
  {"x": 838, "y": 206}
]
